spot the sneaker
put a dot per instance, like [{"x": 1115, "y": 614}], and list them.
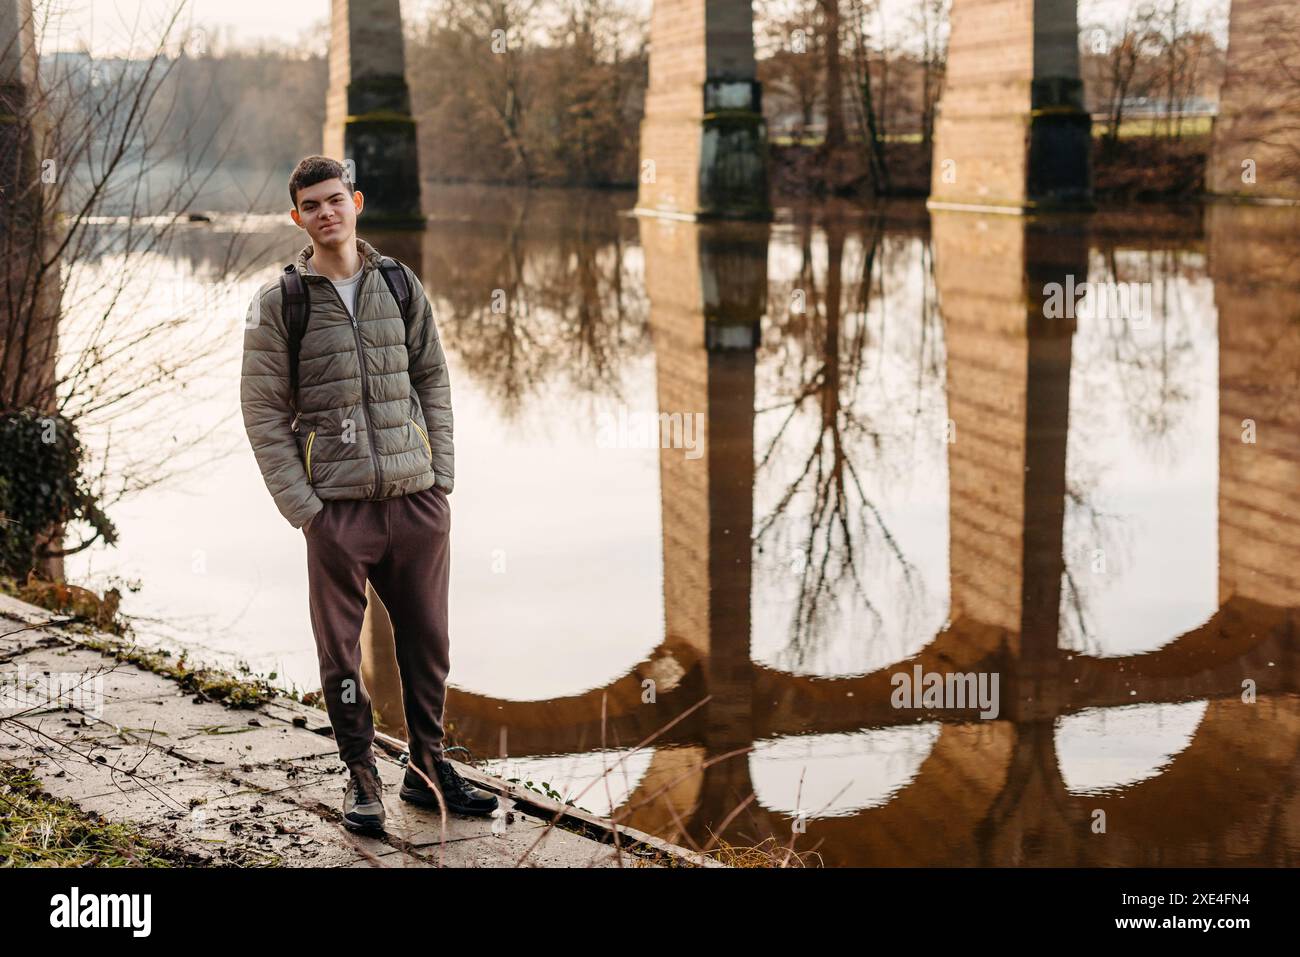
[
  {"x": 461, "y": 796},
  {"x": 363, "y": 800}
]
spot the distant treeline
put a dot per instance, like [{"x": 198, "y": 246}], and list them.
[
  {"x": 498, "y": 96},
  {"x": 524, "y": 92}
]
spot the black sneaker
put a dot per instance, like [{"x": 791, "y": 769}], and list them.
[
  {"x": 363, "y": 800},
  {"x": 461, "y": 796}
]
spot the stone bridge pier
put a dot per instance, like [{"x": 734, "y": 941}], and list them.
[
  {"x": 368, "y": 110},
  {"x": 1256, "y": 152},
  {"x": 703, "y": 139},
  {"x": 1012, "y": 132}
]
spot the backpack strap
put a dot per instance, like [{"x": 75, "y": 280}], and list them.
[
  {"x": 395, "y": 276},
  {"x": 296, "y": 307}
]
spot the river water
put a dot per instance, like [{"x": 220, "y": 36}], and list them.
[{"x": 1057, "y": 454}]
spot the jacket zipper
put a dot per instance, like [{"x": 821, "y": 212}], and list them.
[
  {"x": 310, "y": 439},
  {"x": 361, "y": 361}
]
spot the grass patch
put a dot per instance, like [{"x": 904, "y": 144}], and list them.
[
  {"x": 210, "y": 684},
  {"x": 767, "y": 854},
  {"x": 37, "y": 830},
  {"x": 1156, "y": 126}
]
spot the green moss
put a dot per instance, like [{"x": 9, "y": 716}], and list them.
[
  {"x": 37, "y": 830},
  {"x": 380, "y": 118},
  {"x": 208, "y": 683}
]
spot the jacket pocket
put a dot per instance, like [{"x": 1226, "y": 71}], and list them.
[
  {"x": 310, "y": 439},
  {"x": 423, "y": 435}
]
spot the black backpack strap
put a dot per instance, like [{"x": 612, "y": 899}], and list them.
[
  {"x": 395, "y": 276},
  {"x": 296, "y": 306}
]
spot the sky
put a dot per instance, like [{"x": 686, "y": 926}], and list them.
[{"x": 106, "y": 25}]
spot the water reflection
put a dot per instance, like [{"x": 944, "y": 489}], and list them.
[{"x": 906, "y": 461}]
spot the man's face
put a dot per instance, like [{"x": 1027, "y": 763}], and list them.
[{"x": 329, "y": 213}]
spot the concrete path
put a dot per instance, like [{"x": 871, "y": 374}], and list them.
[{"x": 238, "y": 786}]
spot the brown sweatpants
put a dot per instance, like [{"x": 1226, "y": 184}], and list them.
[{"x": 403, "y": 546}]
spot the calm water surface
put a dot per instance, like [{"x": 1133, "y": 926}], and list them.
[{"x": 902, "y": 462}]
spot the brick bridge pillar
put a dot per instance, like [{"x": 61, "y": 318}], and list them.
[
  {"x": 1012, "y": 131},
  {"x": 1256, "y": 152},
  {"x": 703, "y": 139},
  {"x": 368, "y": 110}
]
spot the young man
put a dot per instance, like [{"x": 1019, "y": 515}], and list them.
[{"x": 361, "y": 459}]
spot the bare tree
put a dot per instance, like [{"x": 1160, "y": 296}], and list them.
[
  {"x": 583, "y": 83},
  {"x": 1125, "y": 49},
  {"x": 473, "y": 56},
  {"x": 930, "y": 21},
  {"x": 93, "y": 196},
  {"x": 1185, "y": 48},
  {"x": 873, "y": 135},
  {"x": 788, "y": 66},
  {"x": 830, "y": 39}
]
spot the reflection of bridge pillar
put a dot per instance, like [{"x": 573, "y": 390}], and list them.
[
  {"x": 1012, "y": 130},
  {"x": 707, "y": 289},
  {"x": 1252, "y": 255},
  {"x": 703, "y": 139},
  {"x": 368, "y": 109},
  {"x": 1260, "y": 100},
  {"x": 1008, "y": 399}
]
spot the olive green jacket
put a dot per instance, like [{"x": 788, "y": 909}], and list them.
[{"x": 374, "y": 396}]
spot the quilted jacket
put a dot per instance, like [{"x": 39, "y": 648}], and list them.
[{"x": 374, "y": 398}]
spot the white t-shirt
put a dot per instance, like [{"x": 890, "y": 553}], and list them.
[{"x": 347, "y": 287}]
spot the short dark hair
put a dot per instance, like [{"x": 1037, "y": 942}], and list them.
[{"x": 316, "y": 169}]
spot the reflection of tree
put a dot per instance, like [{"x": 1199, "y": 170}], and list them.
[
  {"x": 533, "y": 303},
  {"x": 1152, "y": 367},
  {"x": 1096, "y": 532},
  {"x": 827, "y": 349}
]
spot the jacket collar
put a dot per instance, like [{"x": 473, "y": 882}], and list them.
[{"x": 370, "y": 257}]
